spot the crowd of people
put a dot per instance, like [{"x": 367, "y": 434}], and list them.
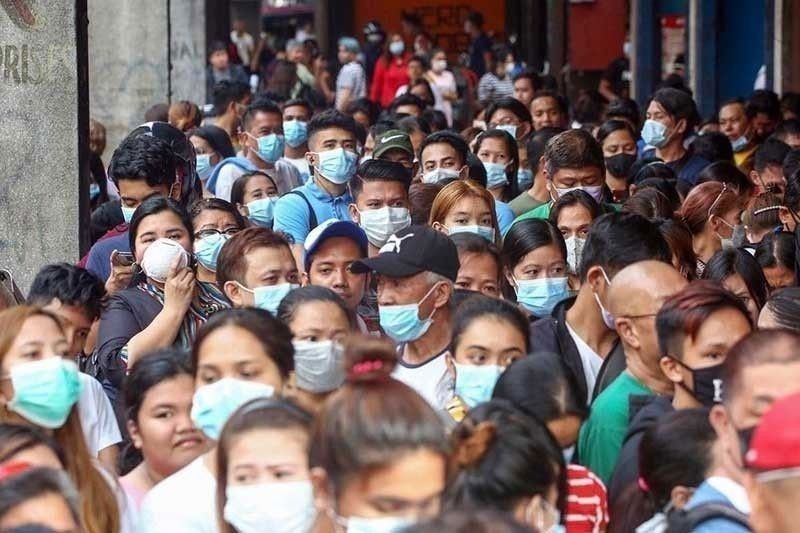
[{"x": 347, "y": 309}]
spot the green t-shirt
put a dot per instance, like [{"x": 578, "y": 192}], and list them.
[
  {"x": 601, "y": 437},
  {"x": 524, "y": 203},
  {"x": 543, "y": 211}
]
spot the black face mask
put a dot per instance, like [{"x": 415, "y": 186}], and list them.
[
  {"x": 745, "y": 436},
  {"x": 707, "y": 383},
  {"x": 620, "y": 165}
]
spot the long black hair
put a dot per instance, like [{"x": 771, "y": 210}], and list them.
[
  {"x": 728, "y": 262},
  {"x": 524, "y": 237},
  {"x": 511, "y": 189}
]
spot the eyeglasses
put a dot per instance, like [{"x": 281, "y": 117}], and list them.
[{"x": 228, "y": 232}]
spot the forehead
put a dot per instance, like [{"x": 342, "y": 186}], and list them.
[
  {"x": 332, "y": 134},
  {"x": 732, "y": 110},
  {"x": 656, "y": 107},
  {"x": 440, "y": 150},
  {"x": 544, "y": 102},
  {"x": 379, "y": 187},
  {"x": 619, "y": 136},
  {"x": 164, "y": 219},
  {"x": 215, "y": 217},
  {"x": 268, "y": 257},
  {"x": 295, "y": 110},
  {"x": 579, "y": 173},
  {"x": 341, "y": 248},
  {"x": 504, "y": 114},
  {"x": 265, "y": 117}
]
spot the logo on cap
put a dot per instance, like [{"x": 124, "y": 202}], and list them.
[
  {"x": 393, "y": 244},
  {"x": 385, "y": 140}
]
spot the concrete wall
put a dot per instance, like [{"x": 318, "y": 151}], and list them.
[
  {"x": 129, "y": 67},
  {"x": 41, "y": 125}
]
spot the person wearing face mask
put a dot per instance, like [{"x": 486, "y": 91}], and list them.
[
  {"x": 618, "y": 141},
  {"x": 636, "y": 295},
  {"x": 535, "y": 266},
  {"x": 41, "y": 388},
  {"x": 463, "y": 206},
  {"x": 573, "y": 214},
  {"x": 504, "y": 459},
  {"x": 212, "y": 145},
  {"x": 535, "y": 194},
  {"x": 762, "y": 361},
  {"x": 256, "y": 268},
  {"x": 573, "y": 160},
  {"x": 166, "y": 305},
  {"x": 396, "y": 145},
  {"x": 158, "y": 401},
  {"x": 739, "y": 272},
  {"x": 480, "y": 268},
  {"x": 444, "y": 81},
  {"x": 332, "y": 156},
  {"x": 391, "y": 72},
  {"x": 320, "y": 322},
  {"x": 262, "y": 141},
  {"x": 359, "y": 460},
  {"x": 735, "y": 124},
  {"x": 380, "y": 198},
  {"x": 499, "y": 154},
  {"x": 671, "y": 118},
  {"x": 696, "y": 328},
  {"x": 581, "y": 329},
  {"x": 296, "y": 114},
  {"x": 554, "y": 402},
  {"x": 496, "y": 83},
  {"x": 476, "y": 361},
  {"x": 711, "y": 211},
  {"x": 240, "y": 355},
  {"x": 416, "y": 270},
  {"x": 331, "y": 248},
  {"x": 214, "y": 221},
  {"x": 230, "y": 99},
  {"x": 263, "y": 476},
  {"x": 255, "y": 194},
  {"x": 443, "y": 158},
  {"x": 511, "y": 115}
]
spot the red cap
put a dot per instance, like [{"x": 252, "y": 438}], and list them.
[{"x": 776, "y": 441}]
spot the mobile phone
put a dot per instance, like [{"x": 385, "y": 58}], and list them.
[{"x": 124, "y": 259}]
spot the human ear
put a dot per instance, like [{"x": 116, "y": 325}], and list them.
[
  {"x": 671, "y": 369},
  {"x": 234, "y": 293},
  {"x": 133, "y": 431},
  {"x": 322, "y": 496},
  {"x": 680, "y": 496}
]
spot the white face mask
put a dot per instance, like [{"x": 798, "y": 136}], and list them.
[
  {"x": 318, "y": 365},
  {"x": 438, "y": 175},
  {"x": 439, "y": 65},
  {"x": 595, "y": 191},
  {"x": 574, "y": 252},
  {"x": 278, "y": 507},
  {"x": 158, "y": 258},
  {"x": 380, "y": 224}
]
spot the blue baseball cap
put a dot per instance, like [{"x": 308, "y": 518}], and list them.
[{"x": 334, "y": 228}]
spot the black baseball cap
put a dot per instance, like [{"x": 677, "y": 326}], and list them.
[{"x": 413, "y": 250}]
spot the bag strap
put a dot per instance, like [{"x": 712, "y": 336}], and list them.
[
  {"x": 687, "y": 521},
  {"x": 312, "y": 216}
]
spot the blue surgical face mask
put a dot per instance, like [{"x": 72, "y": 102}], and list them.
[
  {"x": 269, "y": 297},
  {"x": 214, "y": 403},
  {"x": 511, "y": 129},
  {"x": 270, "y": 147},
  {"x": 262, "y": 211},
  {"x": 127, "y": 213},
  {"x": 495, "y": 175},
  {"x": 204, "y": 168},
  {"x": 402, "y": 322},
  {"x": 524, "y": 178},
  {"x": 295, "y": 132},
  {"x": 484, "y": 231},
  {"x": 540, "y": 296},
  {"x": 739, "y": 143},
  {"x": 654, "y": 133},
  {"x": 337, "y": 165},
  {"x": 475, "y": 383},
  {"x": 45, "y": 391},
  {"x": 608, "y": 318},
  {"x": 206, "y": 250}
]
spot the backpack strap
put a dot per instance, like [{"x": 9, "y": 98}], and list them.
[
  {"x": 687, "y": 521},
  {"x": 312, "y": 216}
]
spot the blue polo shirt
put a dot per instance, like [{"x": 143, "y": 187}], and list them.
[{"x": 292, "y": 215}]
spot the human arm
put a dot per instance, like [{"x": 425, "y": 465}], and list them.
[
  {"x": 605, "y": 88},
  {"x": 345, "y": 95}
]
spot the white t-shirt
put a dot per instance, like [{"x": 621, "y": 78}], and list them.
[
  {"x": 244, "y": 45},
  {"x": 185, "y": 502},
  {"x": 98, "y": 421},
  {"x": 286, "y": 177},
  {"x": 301, "y": 164},
  {"x": 426, "y": 378},
  {"x": 590, "y": 360}
]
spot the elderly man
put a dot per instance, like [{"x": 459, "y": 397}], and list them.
[{"x": 416, "y": 270}]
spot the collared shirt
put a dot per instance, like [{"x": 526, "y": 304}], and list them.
[
  {"x": 292, "y": 215},
  {"x": 735, "y": 493},
  {"x": 590, "y": 359}
]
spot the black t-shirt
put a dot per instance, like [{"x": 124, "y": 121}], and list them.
[
  {"x": 618, "y": 74},
  {"x": 477, "y": 49}
]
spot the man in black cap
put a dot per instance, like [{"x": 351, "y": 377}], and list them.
[{"x": 416, "y": 270}]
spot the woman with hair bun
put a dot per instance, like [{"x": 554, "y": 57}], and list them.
[{"x": 378, "y": 450}]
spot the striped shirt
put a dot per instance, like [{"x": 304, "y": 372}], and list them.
[
  {"x": 587, "y": 503},
  {"x": 490, "y": 88}
]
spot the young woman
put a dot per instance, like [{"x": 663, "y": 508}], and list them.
[
  {"x": 674, "y": 457},
  {"x": 499, "y": 153},
  {"x": 776, "y": 253},
  {"x": 480, "y": 269},
  {"x": 679, "y": 239},
  {"x": 740, "y": 273},
  {"x": 554, "y": 403},
  {"x": 212, "y": 145},
  {"x": 239, "y": 355},
  {"x": 41, "y": 390},
  {"x": 158, "y": 399},
  {"x": 464, "y": 206},
  {"x": 444, "y": 81},
  {"x": 254, "y": 194},
  {"x": 504, "y": 459},
  {"x": 167, "y": 305},
  {"x": 476, "y": 360},
  {"x": 535, "y": 266},
  {"x": 710, "y": 211},
  {"x": 369, "y": 445},
  {"x": 213, "y": 221},
  {"x": 320, "y": 323},
  {"x": 618, "y": 140},
  {"x": 762, "y": 217},
  {"x": 572, "y": 214},
  {"x": 263, "y": 479},
  {"x": 391, "y": 71}
]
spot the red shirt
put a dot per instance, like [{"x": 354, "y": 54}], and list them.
[
  {"x": 587, "y": 501},
  {"x": 388, "y": 77}
]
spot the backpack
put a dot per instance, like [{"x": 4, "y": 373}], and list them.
[{"x": 685, "y": 521}]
